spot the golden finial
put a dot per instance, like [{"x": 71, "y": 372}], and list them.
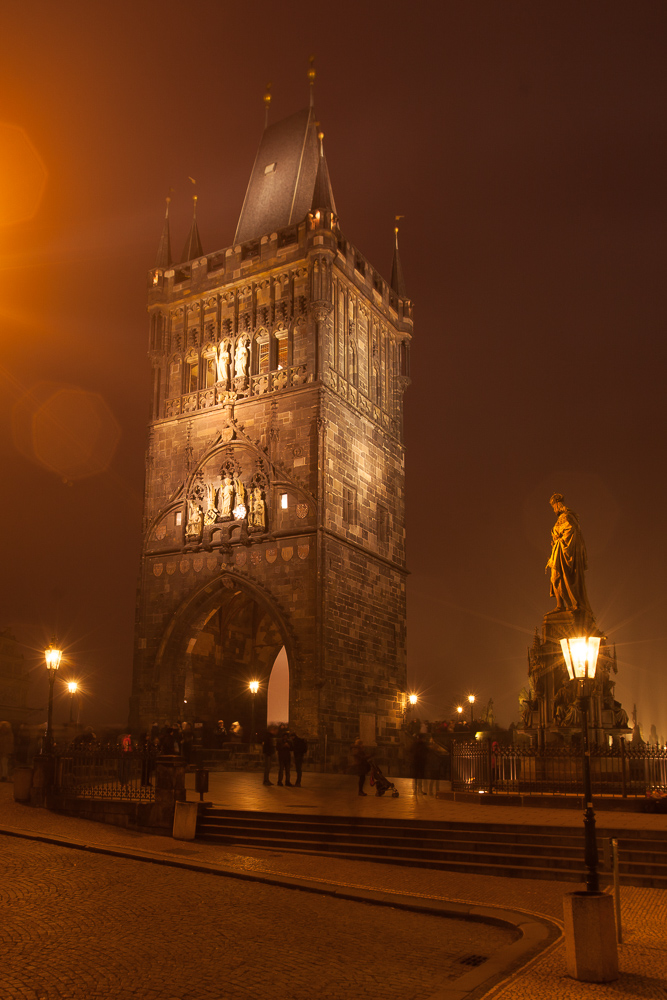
[
  {"x": 397, "y": 219},
  {"x": 311, "y": 78},
  {"x": 267, "y": 103},
  {"x": 320, "y": 136}
]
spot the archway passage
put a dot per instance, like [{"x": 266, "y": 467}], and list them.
[
  {"x": 219, "y": 643},
  {"x": 278, "y": 690}
]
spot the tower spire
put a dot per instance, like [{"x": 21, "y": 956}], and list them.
[
  {"x": 164, "y": 247},
  {"x": 193, "y": 247},
  {"x": 322, "y": 194},
  {"x": 397, "y": 280},
  {"x": 311, "y": 79}
]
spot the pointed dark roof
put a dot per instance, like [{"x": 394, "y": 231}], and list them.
[
  {"x": 322, "y": 193},
  {"x": 397, "y": 279},
  {"x": 193, "y": 247},
  {"x": 164, "y": 249},
  {"x": 283, "y": 179}
]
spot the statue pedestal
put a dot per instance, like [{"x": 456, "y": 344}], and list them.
[{"x": 553, "y": 716}]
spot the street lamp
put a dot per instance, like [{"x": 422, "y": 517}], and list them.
[
  {"x": 72, "y": 687},
  {"x": 471, "y": 699},
  {"x": 581, "y": 654},
  {"x": 413, "y": 699},
  {"x": 53, "y": 656},
  {"x": 254, "y": 688}
]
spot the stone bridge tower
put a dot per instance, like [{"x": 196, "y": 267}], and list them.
[{"x": 274, "y": 506}]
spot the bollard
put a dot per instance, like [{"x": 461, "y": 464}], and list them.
[
  {"x": 201, "y": 782},
  {"x": 617, "y": 891}
]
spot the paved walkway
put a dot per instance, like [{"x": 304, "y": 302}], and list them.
[{"x": 534, "y": 906}]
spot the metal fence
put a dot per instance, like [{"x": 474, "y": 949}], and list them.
[
  {"x": 615, "y": 771},
  {"x": 105, "y": 773}
]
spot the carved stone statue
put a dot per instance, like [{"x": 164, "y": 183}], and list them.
[
  {"x": 567, "y": 562},
  {"x": 194, "y": 525},
  {"x": 241, "y": 359},
  {"x": 257, "y": 518},
  {"x": 226, "y": 497},
  {"x": 223, "y": 363}
]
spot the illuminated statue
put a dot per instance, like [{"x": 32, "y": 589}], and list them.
[
  {"x": 194, "y": 524},
  {"x": 226, "y": 498},
  {"x": 567, "y": 562},
  {"x": 257, "y": 518},
  {"x": 241, "y": 359},
  {"x": 223, "y": 363}
]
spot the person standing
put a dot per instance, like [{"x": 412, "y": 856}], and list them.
[
  {"x": 299, "y": 748},
  {"x": 268, "y": 749},
  {"x": 6, "y": 748},
  {"x": 362, "y": 764},
  {"x": 419, "y": 755},
  {"x": 284, "y": 755}
]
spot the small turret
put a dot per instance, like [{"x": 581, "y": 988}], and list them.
[{"x": 193, "y": 247}]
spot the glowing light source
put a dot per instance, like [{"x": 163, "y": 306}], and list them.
[
  {"x": 72, "y": 687},
  {"x": 413, "y": 699},
  {"x": 581, "y": 656},
  {"x": 254, "y": 686},
  {"x": 53, "y": 655}
]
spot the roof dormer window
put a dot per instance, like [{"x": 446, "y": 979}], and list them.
[{"x": 270, "y": 168}]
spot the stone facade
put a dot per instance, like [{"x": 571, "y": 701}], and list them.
[{"x": 274, "y": 505}]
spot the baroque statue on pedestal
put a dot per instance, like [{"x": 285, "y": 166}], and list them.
[{"x": 568, "y": 562}]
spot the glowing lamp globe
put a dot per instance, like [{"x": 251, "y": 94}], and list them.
[
  {"x": 254, "y": 686},
  {"x": 53, "y": 655},
  {"x": 581, "y": 655},
  {"x": 412, "y": 699}
]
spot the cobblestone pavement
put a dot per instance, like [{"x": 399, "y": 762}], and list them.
[
  {"x": 79, "y": 926},
  {"x": 642, "y": 956}
]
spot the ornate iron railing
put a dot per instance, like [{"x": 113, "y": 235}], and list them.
[
  {"x": 615, "y": 771},
  {"x": 105, "y": 773}
]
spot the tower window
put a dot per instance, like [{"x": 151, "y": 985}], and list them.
[
  {"x": 193, "y": 375},
  {"x": 283, "y": 501},
  {"x": 349, "y": 504},
  {"x": 179, "y": 518},
  {"x": 210, "y": 373},
  {"x": 175, "y": 378},
  {"x": 263, "y": 360},
  {"x": 282, "y": 352}
]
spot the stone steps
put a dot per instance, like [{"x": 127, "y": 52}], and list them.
[{"x": 500, "y": 849}]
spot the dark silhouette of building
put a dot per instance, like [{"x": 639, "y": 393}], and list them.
[{"x": 274, "y": 505}]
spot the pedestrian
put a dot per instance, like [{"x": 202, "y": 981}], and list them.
[
  {"x": 284, "y": 755},
  {"x": 419, "y": 754},
  {"x": 187, "y": 739},
  {"x": 299, "y": 748},
  {"x": 361, "y": 763},
  {"x": 6, "y": 748},
  {"x": 268, "y": 749},
  {"x": 220, "y": 735},
  {"x": 236, "y": 732}
]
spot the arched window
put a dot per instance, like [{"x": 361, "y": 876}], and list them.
[
  {"x": 352, "y": 374},
  {"x": 282, "y": 349},
  {"x": 262, "y": 354},
  {"x": 191, "y": 373},
  {"x": 209, "y": 367}
]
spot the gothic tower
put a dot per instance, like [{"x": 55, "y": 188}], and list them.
[{"x": 274, "y": 506}]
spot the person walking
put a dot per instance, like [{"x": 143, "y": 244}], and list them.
[
  {"x": 284, "y": 755},
  {"x": 6, "y": 748},
  {"x": 268, "y": 749},
  {"x": 299, "y": 748},
  {"x": 362, "y": 764},
  {"x": 419, "y": 755}
]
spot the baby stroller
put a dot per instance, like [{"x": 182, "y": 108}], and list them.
[{"x": 381, "y": 783}]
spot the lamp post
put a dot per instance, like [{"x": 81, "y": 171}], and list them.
[
  {"x": 581, "y": 654},
  {"x": 254, "y": 688},
  {"x": 53, "y": 656},
  {"x": 471, "y": 699},
  {"x": 72, "y": 687}
]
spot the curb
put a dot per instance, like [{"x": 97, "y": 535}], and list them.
[{"x": 536, "y": 932}]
